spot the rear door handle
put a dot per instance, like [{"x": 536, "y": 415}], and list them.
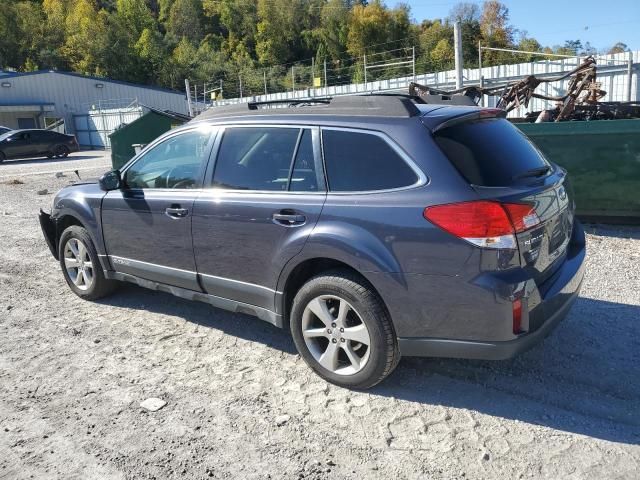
[
  {"x": 289, "y": 219},
  {"x": 176, "y": 212}
]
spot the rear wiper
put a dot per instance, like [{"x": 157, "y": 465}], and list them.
[{"x": 534, "y": 172}]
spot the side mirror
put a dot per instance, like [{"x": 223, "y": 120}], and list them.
[{"x": 110, "y": 181}]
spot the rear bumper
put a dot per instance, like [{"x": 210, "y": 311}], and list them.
[
  {"x": 559, "y": 296},
  {"x": 49, "y": 231}
]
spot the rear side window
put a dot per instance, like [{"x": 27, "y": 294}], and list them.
[
  {"x": 358, "y": 161},
  {"x": 490, "y": 153},
  {"x": 266, "y": 158}
]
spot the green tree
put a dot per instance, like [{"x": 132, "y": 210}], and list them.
[
  {"x": 185, "y": 20},
  {"x": 86, "y": 30}
]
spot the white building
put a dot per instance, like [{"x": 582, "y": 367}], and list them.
[{"x": 39, "y": 99}]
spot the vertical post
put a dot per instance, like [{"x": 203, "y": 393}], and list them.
[
  {"x": 413, "y": 62},
  {"x": 187, "y": 89},
  {"x": 195, "y": 97},
  {"x": 264, "y": 76},
  {"x": 629, "y": 75},
  {"x": 293, "y": 80},
  {"x": 325, "y": 73},
  {"x": 457, "y": 45},
  {"x": 365, "y": 71},
  {"x": 480, "y": 76},
  {"x": 313, "y": 73},
  {"x": 221, "y": 89},
  {"x": 240, "y": 84}
]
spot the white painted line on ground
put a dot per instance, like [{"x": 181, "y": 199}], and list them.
[{"x": 71, "y": 169}]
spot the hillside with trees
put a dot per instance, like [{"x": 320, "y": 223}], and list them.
[{"x": 249, "y": 42}]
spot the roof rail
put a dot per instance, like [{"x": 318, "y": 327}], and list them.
[{"x": 374, "y": 105}]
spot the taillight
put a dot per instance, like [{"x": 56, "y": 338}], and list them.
[
  {"x": 517, "y": 316},
  {"x": 484, "y": 223}
]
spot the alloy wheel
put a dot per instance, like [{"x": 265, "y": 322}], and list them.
[
  {"x": 78, "y": 264},
  {"x": 335, "y": 335}
]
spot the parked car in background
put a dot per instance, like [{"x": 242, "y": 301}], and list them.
[
  {"x": 36, "y": 143},
  {"x": 372, "y": 227},
  {"x": 4, "y": 130}
]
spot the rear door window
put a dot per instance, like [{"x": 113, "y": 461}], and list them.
[
  {"x": 361, "y": 162},
  {"x": 490, "y": 152},
  {"x": 266, "y": 159}
]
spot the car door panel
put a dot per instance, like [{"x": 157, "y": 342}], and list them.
[
  {"x": 241, "y": 249},
  {"x": 242, "y": 239},
  {"x": 146, "y": 225}
]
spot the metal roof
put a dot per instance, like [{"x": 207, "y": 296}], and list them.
[{"x": 6, "y": 75}]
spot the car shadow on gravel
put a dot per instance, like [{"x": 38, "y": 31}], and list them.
[
  {"x": 616, "y": 231},
  {"x": 236, "y": 324},
  {"x": 584, "y": 378}
]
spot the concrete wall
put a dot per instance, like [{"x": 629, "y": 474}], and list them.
[{"x": 74, "y": 94}]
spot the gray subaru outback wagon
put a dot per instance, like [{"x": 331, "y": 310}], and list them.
[{"x": 370, "y": 226}]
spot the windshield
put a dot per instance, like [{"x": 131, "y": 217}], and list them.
[{"x": 6, "y": 135}]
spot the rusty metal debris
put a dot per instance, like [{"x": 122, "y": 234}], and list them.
[{"x": 580, "y": 102}]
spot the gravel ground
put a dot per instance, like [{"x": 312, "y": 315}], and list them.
[{"x": 241, "y": 403}]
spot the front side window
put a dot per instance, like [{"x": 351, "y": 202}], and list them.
[
  {"x": 361, "y": 162},
  {"x": 174, "y": 163},
  {"x": 260, "y": 158}
]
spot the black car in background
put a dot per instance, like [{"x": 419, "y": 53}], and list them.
[{"x": 36, "y": 143}]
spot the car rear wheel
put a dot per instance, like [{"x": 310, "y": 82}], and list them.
[
  {"x": 81, "y": 266},
  {"x": 343, "y": 331},
  {"x": 3, "y": 157},
  {"x": 61, "y": 151}
]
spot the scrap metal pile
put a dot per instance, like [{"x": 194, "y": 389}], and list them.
[{"x": 580, "y": 102}]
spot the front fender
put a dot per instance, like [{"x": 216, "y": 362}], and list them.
[{"x": 82, "y": 203}]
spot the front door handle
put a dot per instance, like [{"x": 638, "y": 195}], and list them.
[
  {"x": 289, "y": 219},
  {"x": 175, "y": 211}
]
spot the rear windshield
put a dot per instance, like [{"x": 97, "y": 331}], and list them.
[{"x": 490, "y": 152}]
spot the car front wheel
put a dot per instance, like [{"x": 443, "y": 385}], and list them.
[
  {"x": 343, "y": 331},
  {"x": 80, "y": 265}
]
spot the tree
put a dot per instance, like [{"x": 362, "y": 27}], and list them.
[
  {"x": 85, "y": 29},
  {"x": 185, "y": 20},
  {"x": 618, "y": 48},
  {"x": 496, "y": 32}
]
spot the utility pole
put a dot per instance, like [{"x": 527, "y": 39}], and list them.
[
  {"x": 313, "y": 73},
  {"x": 187, "y": 88},
  {"x": 293, "y": 80},
  {"x": 480, "y": 76},
  {"x": 240, "y": 84},
  {"x": 457, "y": 45},
  {"x": 629, "y": 75},
  {"x": 365, "y": 71},
  {"x": 264, "y": 76},
  {"x": 413, "y": 62},
  {"x": 325, "y": 73}
]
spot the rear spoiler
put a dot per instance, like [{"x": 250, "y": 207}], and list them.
[{"x": 469, "y": 116}]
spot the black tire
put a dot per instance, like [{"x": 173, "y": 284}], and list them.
[
  {"x": 61, "y": 151},
  {"x": 99, "y": 287},
  {"x": 49, "y": 155},
  {"x": 3, "y": 157},
  {"x": 384, "y": 354}
]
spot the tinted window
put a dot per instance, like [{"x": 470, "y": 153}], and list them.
[
  {"x": 255, "y": 158},
  {"x": 174, "y": 163},
  {"x": 490, "y": 152},
  {"x": 304, "y": 177},
  {"x": 360, "y": 162}
]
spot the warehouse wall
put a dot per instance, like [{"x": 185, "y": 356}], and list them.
[{"x": 74, "y": 94}]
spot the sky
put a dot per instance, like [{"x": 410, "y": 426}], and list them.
[{"x": 551, "y": 22}]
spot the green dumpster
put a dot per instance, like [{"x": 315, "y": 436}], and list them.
[
  {"x": 141, "y": 131},
  {"x": 603, "y": 160}
]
